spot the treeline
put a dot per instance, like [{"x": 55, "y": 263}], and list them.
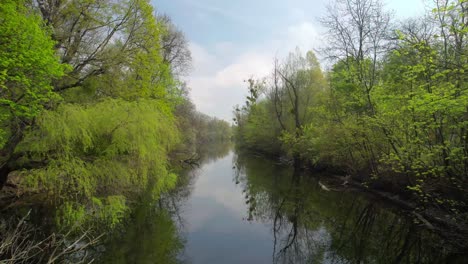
[
  {"x": 392, "y": 111},
  {"x": 92, "y": 103},
  {"x": 200, "y": 128}
]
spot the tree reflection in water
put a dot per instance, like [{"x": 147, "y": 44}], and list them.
[
  {"x": 153, "y": 233},
  {"x": 307, "y": 224},
  {"x": 310, "y": 225}
]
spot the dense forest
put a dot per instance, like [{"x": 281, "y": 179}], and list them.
[
  {"x": 391, "y": 113},
  {"x": 93, "y": 114}
]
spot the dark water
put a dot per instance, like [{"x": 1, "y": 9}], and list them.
[{"x": 237, "y": 208}]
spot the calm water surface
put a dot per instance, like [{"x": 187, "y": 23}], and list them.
[{"x": 238, "y": 208}]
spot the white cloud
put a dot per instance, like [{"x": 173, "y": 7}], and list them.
[
  {"x": 305, "y": 36},
  {"x": 210, "y": 9},
  {"x": 217, "y": 83},
  {"x": 409, "y": 8},
  {"x": 216, "y": 193},
  {"x": 204, "y": 62},
  {"x": 225, "y": 48}
]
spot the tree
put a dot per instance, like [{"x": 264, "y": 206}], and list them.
[
  {"x": 102, "y": 37},
  {"x": 175, "y": 47},
  {"x": 296, "y": 84},
  {"x": 357, "y": 35},
  {"x": 394, "y": 114},
  {"x": 107, "y": 124},
  {"x": 28, "y": 66}
]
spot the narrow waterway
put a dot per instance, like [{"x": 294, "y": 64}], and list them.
[
  {"x": 219, "y": 228},
  {"x": 240, "y": 208}
]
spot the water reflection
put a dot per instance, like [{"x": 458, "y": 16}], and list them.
[
  {"x": 213, "y": 151},
  {"x": 239, "y": 208},
  {"x": 310, "y": 225},
  {"x": 151, "y": 237},
  {"x": 154, "y": 233},
  {"x": 216, "y": 230}
]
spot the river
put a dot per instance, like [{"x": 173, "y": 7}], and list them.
[{"x": 241, "y": 208}]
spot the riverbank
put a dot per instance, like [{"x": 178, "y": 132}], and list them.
[
  {"x": 271, "y": 213},
  {"x": 29, "y": 214},
  {"x": 452, "y": 226},
  {"x": 352, "y": 215},
  {"x": 244, "y": 208}
]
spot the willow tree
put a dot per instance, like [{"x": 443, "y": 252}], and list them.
[{"x": 107, "y": 133}]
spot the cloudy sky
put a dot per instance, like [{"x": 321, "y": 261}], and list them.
[{"x": 233, "y": 40}]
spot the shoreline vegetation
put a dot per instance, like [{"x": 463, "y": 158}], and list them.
[
  {"x": 94, "y": 114},
  {"x": 331, "y": 180},
  {"x": 390, "y": 113}
]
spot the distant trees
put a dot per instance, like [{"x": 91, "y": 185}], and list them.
[
  {"x": 200, "y": 128},
  {"x": 211, "y": 129}
]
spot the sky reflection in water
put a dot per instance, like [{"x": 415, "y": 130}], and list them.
[{"x": 238, "y": 208}]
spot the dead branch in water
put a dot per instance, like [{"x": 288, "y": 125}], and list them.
[
  {"x": 193, "y": 161},
  {"x": 20, "y": 242}
]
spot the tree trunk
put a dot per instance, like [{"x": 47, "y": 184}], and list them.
[
  {"x": 7, "y": 155},
  {"x": 4, "y": 171}
]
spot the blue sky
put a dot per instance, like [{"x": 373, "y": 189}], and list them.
[{"x": 231, "y": 41}]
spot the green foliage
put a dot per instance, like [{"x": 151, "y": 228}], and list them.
[
  {"x": 142, "y": 73},
  {"x": 157, "y": 239},
  {"x": 105, "y": 212},
  {"x": 28, "y": 66},
  {"x": 89, "y": 105},
  {"x": 260, "y": 132},
  {"x": 397, "y": 120},
  {"x": 111, "y": 143},
  {"x": 99, "y": 124},
  {"x": 274, "y": 113},
  {"x": 110, "y": 210},
  {"x": 70, "y": 215}
]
